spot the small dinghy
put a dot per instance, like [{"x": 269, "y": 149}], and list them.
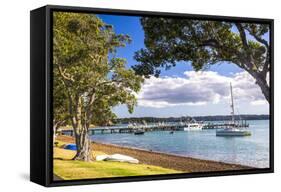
[
  {"x": 117, "y": 158},
  {"x": 139, "y": 132}
]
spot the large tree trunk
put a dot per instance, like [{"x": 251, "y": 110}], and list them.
[
  {"x": 83, "y": 143},
  {"x": 262, "y": 83},
  {"x": 264, "y": 88},
  {"x": 82, "y": 140}
]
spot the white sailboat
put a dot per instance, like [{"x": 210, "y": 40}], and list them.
[{"x": 233, "y": 128}]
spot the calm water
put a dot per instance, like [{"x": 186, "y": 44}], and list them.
[{"x": 252, "y": 150}]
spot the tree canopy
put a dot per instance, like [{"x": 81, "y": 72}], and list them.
[
  {"x": 205, "y": 43},
  {"x": 88, "y": 77}
]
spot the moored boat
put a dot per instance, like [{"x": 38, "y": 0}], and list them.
[
  {"x": 232, "y": 132},
  {"x": 234, "y": 128},
  {"x": 193, "y": 127},
  {"x": 139, "y": 132}
]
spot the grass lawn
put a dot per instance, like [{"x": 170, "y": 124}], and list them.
[{"x": 69, "y": 169}]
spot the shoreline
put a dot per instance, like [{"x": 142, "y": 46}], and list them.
[{"x": 165, "y": 160}]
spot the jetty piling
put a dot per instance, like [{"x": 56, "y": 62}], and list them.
[{"x": 153, "y": 127}]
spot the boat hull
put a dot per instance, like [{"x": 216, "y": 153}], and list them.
[
  {"x": 192, "y": 128},
  {"x": 233, "y": 133},
  {"x": 139, "y": 133}
]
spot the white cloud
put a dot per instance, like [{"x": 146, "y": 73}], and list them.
[
  {"x": 259, "y": 102},
  {"x": 199, "y": 88}
]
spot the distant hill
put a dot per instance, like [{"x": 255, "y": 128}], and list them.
[
  {"x": 188, "y": 118},
  {"x": 228, "y": 117},
  {"x": 151, "y": 119}
]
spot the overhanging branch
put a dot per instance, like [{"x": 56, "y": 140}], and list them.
[
  {"x": 242, "y": 35},
  {"x": 259, "y": 39}
]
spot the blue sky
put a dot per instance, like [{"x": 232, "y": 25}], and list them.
[{"x": 229, "y": 72}]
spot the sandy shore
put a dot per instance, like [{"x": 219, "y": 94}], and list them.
[{"x": 185, "y": 164}]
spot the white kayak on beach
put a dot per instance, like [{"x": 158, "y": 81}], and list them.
[{"x": 116, "y": 157}]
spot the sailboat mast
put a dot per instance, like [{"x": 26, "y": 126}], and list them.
[{"x": 232, "y": 104}]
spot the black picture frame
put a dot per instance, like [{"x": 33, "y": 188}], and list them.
[{"x": 41, "y": 167}]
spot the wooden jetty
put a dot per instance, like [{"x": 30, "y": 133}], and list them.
[
  {"x": 151, "y": 127},
  {"x": 226, "y": 124}
]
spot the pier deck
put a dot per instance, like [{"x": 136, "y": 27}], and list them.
[{"x": 146, "y": 128}]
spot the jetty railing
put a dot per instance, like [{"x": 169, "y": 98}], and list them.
[{"x": 150, "y": 127}]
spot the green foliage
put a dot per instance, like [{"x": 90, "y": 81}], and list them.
[
  {"x": 88, "y": 79},
  {"x": 204, "y": 43},
  {"x": 60, "y": 115}
]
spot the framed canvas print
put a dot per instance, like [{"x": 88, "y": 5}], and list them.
[{"x": 119, "y": 95}]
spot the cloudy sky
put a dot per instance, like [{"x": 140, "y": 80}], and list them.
[{"x": 181, "y": 91}]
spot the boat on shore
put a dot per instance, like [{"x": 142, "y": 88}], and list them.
[{"x": 233, "y": 128}]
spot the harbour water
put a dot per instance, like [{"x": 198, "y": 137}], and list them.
[{"x": 251, "y": 150}]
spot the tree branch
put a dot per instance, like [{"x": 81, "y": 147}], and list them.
[
  {"x": 109, "y": 82},
  {"x": 242, "y": 35},
  {"x": 265, "y": 69},
  {"x": 259, "y": 39},
  {"x": 211, "y": 43},
  {"x": 215, "y": 44},
  {"x": 64, "y": 76}
]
